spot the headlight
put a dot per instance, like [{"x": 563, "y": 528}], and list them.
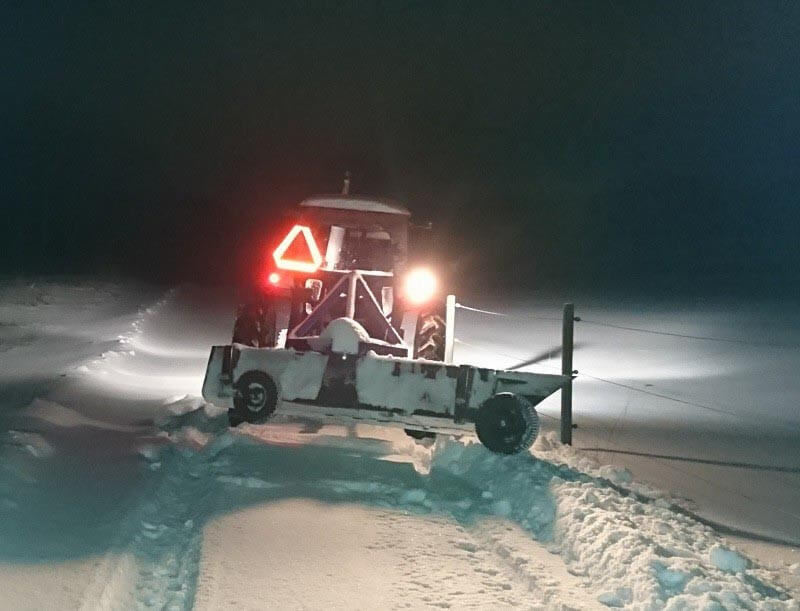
[{"x": 420, "y": 286}]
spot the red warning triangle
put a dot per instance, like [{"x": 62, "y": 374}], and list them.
[{"x": 298, "y": 251}]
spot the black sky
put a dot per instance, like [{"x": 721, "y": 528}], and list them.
[{"x": 570, "y": 143}]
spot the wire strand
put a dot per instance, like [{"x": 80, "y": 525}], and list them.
[
  {"x": 710, "y": 408},
  {"x": 728, "y": 340},
  {"x": 663, "y": 396},
  {"x": 600, "y": 323},
  {"x": 495, "y": 352},
  {"x": 491, "y": 313}
]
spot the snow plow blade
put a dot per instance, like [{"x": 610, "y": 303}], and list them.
[{"x": 428, "y": 396}]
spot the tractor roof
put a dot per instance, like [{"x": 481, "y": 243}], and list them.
[{"x": 350, "y": 202}]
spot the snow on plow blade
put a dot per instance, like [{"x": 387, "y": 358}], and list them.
[{"x": 425, "y": 396}]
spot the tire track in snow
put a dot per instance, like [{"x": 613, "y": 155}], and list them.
[
  {"x": 167, "y": 544},
  {"x": 113, "y": 576},
  {"x": 156, "y": 560},
  {"x": 441, "y": 565},
  {"x": 544, "y": 574},
  {"x": 444, "y": 564}
]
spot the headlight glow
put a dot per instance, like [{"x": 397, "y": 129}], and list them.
[{"x": 420, "y": 285}]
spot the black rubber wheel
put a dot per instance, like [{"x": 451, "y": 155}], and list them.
[
  {"x": 255, "y": 325},
  {"x": 420, "y": 434},
  {"x": 507, "y": 423},
  {"x": 429, "y": 338},
  {"x": 255, "y": 398}
]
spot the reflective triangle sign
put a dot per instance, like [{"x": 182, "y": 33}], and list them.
[{"x": 298, "y": 251}]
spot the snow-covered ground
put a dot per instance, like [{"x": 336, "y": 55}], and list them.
[
  {"x": 717, "y": 422},
  {"x": 119, "y": 488}
]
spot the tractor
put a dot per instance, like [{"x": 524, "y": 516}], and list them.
[
  {"x": 346, "y": 325},
  {"x": 339, "y": 240}
]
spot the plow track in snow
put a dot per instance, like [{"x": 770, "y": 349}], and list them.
[
  {"x": 448, "y": 565},
  {"x": 169, "y": 538},
  {"x": 155, "y": 563}
]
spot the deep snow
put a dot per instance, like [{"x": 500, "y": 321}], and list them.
[{"x": 119, "y": 488}]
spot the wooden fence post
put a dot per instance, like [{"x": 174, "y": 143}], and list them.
[{"x": 566, "y": 369}]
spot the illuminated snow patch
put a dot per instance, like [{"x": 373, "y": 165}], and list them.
[{"x": 635, "y": 553}]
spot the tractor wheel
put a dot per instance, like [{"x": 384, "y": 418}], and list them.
[
  {"x": 255, "y": 325},
  {"x": 429, "y": 339},
  {"x": 255, "y": 398},
  {"x": 507, "y": 423}
]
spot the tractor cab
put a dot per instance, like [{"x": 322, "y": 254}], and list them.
[
  {"x": 359, "y": 233},
  {"x": 346, "y": 257}
]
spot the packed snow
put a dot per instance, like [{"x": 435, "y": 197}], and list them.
[
  {"x": 341, "y": 335},
  {"x": 121, "y": 488},
  {"x": 378, "y": 384}
]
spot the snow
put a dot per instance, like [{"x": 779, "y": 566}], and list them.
[
  {"x": 302, "y": 377},
  {"x": 351, "y": 556},
  {"x": 60, "y": 416},
  {"x": 356, "y": 203},
  {"x": 737, "y": 458},
  {"x": 728, "y": 560},
  {"x": 341, "y": 335},
  {"x": 635, "y": 552},
  {"x": 298, "y": 375},
  {"x": 120, "y": 488},
  {"x": 33, "y": 443},
  {"x": 379, "y": 384}
]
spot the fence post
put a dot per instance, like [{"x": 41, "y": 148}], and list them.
[
  {"x": 450, "y": 328},
  {"x": 566, "y": 369}
]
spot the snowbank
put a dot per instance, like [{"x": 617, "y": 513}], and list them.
[
  {"x": 634, "y": 553},
  {"x": 627, "y": 550}
]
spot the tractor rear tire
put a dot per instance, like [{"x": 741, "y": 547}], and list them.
[
  {"x": 429, "y": 339},
  {"x": 255, "y": 398},
  {"x": 507, "y": 423}
]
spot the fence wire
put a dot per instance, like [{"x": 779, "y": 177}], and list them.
[
  {"x": 728, "y": 340},
  {"x": 461, "y": 306},
  {"x": 687, "y": 402},
  {"x": 632, "y": 391},
  {"x": 603, "y": 323}
]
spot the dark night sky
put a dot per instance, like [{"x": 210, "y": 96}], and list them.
[{"x": 570, "y": 143}]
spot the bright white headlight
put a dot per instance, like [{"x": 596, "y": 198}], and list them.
[{"x": 420, "y": 285}]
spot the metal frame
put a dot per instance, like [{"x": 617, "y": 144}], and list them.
[
  {"x": 360, "y": 304},
  {"x": 338, "y": 396}
]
